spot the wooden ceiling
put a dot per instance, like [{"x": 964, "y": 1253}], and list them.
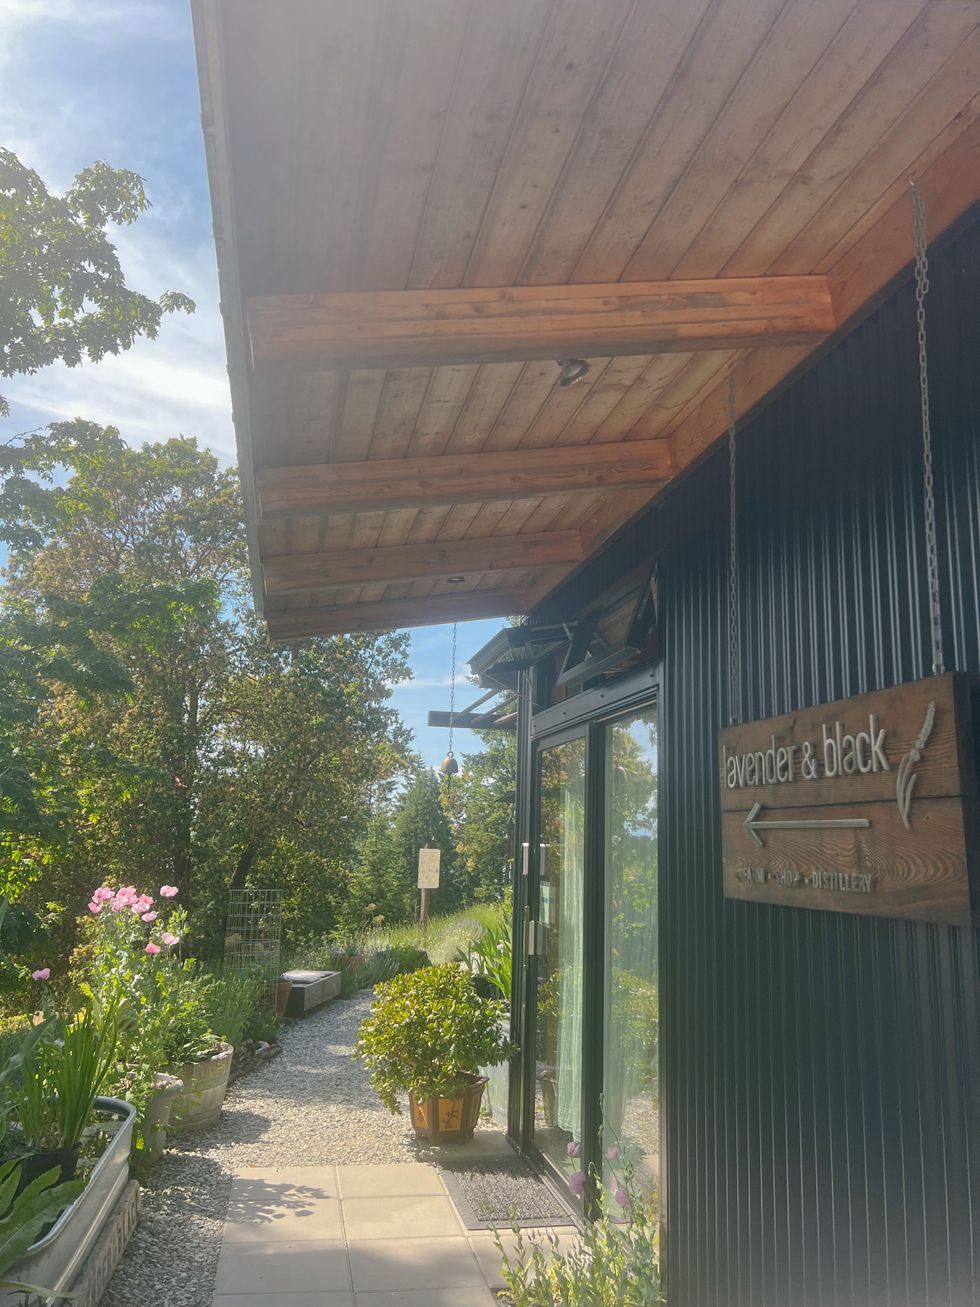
[{"x": 421, "y": 204}]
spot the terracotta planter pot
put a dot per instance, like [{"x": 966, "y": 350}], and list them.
[
  {"x": 198, "y": 1104},
  {"x": 157, "y": 1118},
  {"x": 448, "y": 1120},
  {"x": 283, "y": 990}
]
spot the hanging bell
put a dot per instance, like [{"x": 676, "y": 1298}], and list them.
[{"x": 449, "y": 766}]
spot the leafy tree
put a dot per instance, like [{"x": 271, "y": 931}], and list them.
[
  {"x": 480, "y": 806},
  {"x": 64, "y": 294},
  {"x": 227, "y": 761}
]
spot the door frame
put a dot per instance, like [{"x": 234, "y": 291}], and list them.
[
  {"x": 585, "y": 716},
  {"x": 529, "y": 959}
]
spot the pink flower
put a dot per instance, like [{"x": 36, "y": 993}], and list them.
[
  {"x": 613, "y": 1153},
  {"x": 124, "y": 898},
  {"x": 573, "y": 1149},
  {"x": 576, "y": 1182},
  {"x": 152, "y": 948},
  {"x": 102, "y": 895},
  {"x": 148, "y": 916},
  {"x": 169, "y": 891},
  {"x": 622, "y": 1195},
  {"x": 96, "y": 906},
  {"x": 43, "y": 974},
  {"x": 169, "y": 939}
]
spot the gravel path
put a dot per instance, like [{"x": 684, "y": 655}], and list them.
[{"x": 312, "y": 1105}]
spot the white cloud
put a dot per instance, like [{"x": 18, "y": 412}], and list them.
[
  {"x": 176, "y": 383},
  {"x": 424, "y": 683},
  {"x": 95, "y": 19}
]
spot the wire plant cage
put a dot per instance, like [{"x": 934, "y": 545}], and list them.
[{"x": 253, "y": 936}]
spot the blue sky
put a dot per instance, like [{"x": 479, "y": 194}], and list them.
[{"x": 116, "y": 80}]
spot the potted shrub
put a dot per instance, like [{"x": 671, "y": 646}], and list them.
[
  {"x": 427, "y": 1035},
  {"x": 179, "y": 1008}
]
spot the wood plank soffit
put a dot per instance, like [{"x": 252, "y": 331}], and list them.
[
  {"x": 949, "y": 185},
  {"x": 423, "y": 328},
  {"x": 295, "y": 573},
  {"x": 391, "y": 614},
  {"x": 462, "y": 478}
]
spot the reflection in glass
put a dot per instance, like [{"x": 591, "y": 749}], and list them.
[
  {"x": 631, "y": 1093},
  {"x": 558, "y": 1069}
]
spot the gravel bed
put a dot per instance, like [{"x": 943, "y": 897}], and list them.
[{"x": 311, "y": 1105}]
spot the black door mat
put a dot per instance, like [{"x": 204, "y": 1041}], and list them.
[{"x": 501, "y": 1193}]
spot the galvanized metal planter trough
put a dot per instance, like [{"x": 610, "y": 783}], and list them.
[{"x": 56, "y": 1261}]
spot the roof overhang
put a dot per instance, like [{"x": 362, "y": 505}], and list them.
[{"x": 419, "y": 208}]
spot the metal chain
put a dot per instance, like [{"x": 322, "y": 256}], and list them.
[
  {"x": 929, "y": 496},
  {"x": 452, "y": 691},
  {"x": 734, "y": 706}
]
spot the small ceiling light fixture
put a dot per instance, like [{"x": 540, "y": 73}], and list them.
[
  {"x": 455, "y": 580},
  {"x": 572, "y": 370}
]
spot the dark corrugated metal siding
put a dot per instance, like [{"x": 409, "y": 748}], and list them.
[{"x": 822, "y": 1071}]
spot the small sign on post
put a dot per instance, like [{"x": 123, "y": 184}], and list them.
[
  {"x": 428, "y": 880},
  {"x": 429, "y": 868}
]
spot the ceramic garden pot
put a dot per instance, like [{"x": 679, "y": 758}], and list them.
[{"x": 157, "y": 1118}]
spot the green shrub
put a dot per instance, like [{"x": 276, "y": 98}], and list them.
[
  {"x": 240, "y": 1010},
  {"x": 25, "y": 1215},
  {"x": 614, "y": 1263},
  {"x": 429, "y": 1032},
  {"x": 262, "y": 1025},
  {"x": 355, "y": 953},
  {"x": 62, "y": 1074},
  {"x": 490, "y": 955}
]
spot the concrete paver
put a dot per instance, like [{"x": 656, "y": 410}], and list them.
[{"x": 353, "y": 1236}]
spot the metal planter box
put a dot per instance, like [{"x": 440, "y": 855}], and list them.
[{"x": 55, "y": 1261}]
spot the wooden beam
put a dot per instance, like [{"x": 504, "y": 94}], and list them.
[
  {"x": 392, "y": 614},
  {"x": 391, "y": 483},
  {"x": 426, "y": 328},
  {"x": 297, "y": 572},
  {"x": 472, "y": 721}
]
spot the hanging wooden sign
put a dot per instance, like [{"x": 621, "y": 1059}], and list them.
[
  {"x": 868, "y": 805},
  {"x": 429, "y": 860}
]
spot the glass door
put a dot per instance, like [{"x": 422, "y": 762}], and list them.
[
  {"x": 592, "y": 1018},
  {"x": 556, "y": 943},
  {"x": 630, "y": 1023}
]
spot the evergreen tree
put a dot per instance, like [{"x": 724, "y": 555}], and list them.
[
  {"x": 385, "y": 883},
  {"x": 480, "y": 806}
]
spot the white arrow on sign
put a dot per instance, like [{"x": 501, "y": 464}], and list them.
[{"x": 753, "y": 826}]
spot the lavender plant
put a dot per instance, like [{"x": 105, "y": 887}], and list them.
[{"x": 614, "y": 1263}]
